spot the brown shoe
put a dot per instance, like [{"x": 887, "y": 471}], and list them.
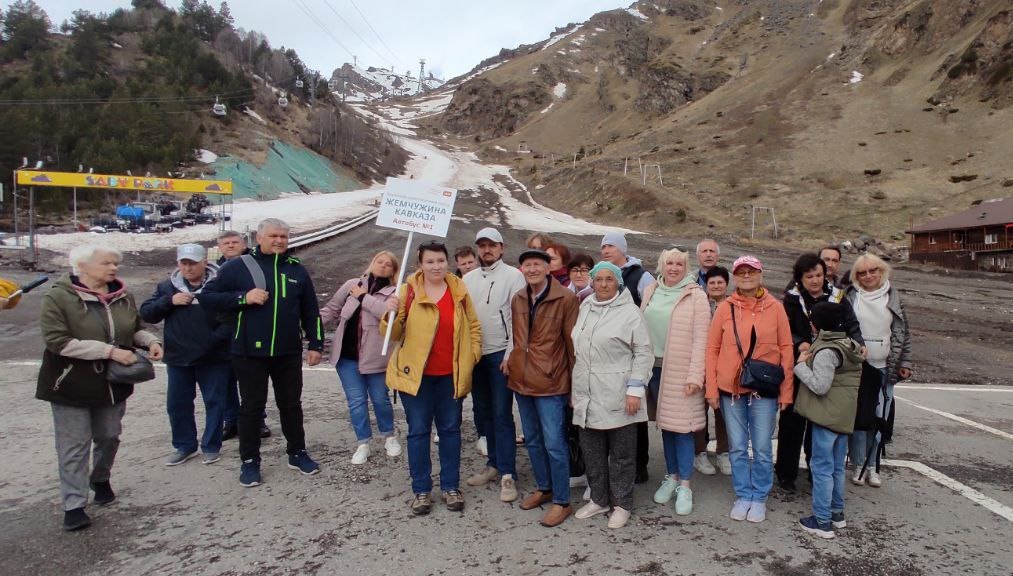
[
  {"x": 536, "y": 499},
  {"x": 454, "y": 500},
  {"x": 556, "y": 514},
  {"x": 483, "y": 477},
  {"x": 422, "y": 505}
]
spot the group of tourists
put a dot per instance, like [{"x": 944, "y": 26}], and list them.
[{"x": 590, "y": 347}]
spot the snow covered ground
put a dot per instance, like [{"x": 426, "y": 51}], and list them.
[{"x": 457, "y": 169}]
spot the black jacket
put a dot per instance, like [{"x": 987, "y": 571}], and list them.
[
  {"x": 798, "y": 303},
  {"x": 193, "y": 335},
  {"x": 276, "y": 327}
]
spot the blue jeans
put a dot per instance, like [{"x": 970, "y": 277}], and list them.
[
  {"x": 866, "y": 442},
  {"x": 543, "y": 419},
  {"x": 179, "y": 397},
  {"x": 750, "y": 419},
  {"x": 359, "y": 389},
  {"x": 434, "y": 402},
  {"x": 494, "y": 412},
  {"x": 827, "y": 467},
  {"x": 679, "y": 453}
]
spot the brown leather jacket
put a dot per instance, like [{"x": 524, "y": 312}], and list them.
[{"x": 541, "y": 361}]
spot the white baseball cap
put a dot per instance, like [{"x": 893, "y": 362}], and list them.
[{"x": 489, "y": 234}]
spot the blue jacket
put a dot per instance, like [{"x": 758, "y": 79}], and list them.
[
  {"x": 193, "y": 335},
  {"x": 276, "y": 327}
]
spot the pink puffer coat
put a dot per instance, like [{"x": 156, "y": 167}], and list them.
[{"x": 683, "y": 363}]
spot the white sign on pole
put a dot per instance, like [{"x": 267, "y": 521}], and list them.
[{"x": 415, "y": 206}]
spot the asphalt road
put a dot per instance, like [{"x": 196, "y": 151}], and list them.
[{"x": 197, "y": 519}]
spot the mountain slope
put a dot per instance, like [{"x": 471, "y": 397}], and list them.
[{"x": 844, "y": 116}]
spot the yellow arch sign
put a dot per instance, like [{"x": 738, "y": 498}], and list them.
[{"x": 122, "y": 182}]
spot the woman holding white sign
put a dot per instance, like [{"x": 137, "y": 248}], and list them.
[
  {"x": 438, "y": 342},
  {"x": 358, "y": 306}
]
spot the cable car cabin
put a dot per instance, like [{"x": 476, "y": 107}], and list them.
[
  {"x": 298, "y": 83},
  {"x": 218, "y": 109},
  {"x": 283, "y": 101}
]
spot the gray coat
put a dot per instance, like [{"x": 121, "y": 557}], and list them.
[
  {"x": 614, "y": 359},
  {"x": 900, "y": 336}
]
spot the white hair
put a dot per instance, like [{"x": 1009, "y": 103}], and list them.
[
  {"x": 716, "y": 246},
  {"x": 86, "y": 252},
  {"x": 272, "y": 223}
]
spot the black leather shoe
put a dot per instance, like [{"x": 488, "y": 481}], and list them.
[
  {"x": 229, "y": 431},
  {"x": 103, "y": 493},
  {"x": 75, "y": 519},
  {"x": 788, "y": 485},
  {"x": 265, "y": 432}
]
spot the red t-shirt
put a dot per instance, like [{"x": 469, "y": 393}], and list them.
[{"x": 441, "y": 355}]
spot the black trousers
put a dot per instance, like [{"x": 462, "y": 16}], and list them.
[
  {"x": 643, "y": 446},
  {"x": 793, "y": 432},
  {"x": 285, "y": 373}
]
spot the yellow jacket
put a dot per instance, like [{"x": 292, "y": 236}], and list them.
[{"x": 414, "y": 339}]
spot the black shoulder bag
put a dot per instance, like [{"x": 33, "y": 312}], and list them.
[
  {"x": 761, "y": 377},
  {"x": 140, "y": 371}
]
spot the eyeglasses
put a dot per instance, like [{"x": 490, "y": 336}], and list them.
[
  {"x": 580, "y": 270},
  {"x": 863, "y": 273},
  {"x": 746, "y": 271}
]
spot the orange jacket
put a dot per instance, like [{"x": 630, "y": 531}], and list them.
[{"x": 773, "y": 343}]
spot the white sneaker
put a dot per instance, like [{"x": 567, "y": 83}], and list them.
[
  {"x": 857, "y": 479},
  {"x": 725, "y": 464},
  {"x": 874, "y": 480},
  {"x": 703, "y": 464},
  {"x": 587, "y": 494},
  {"x": 392, "y": 446},
  {"x": 578, "y": 481},
  {"x": 482, "y": 446},
  {"x": 361, "y": 454},
  {"x": 619, "y": 517},
  {"x": 590, "y": 509}
]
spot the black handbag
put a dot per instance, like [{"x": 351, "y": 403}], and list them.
[
  {"x": 761, "y": 377},
  {"x": 140, "y": 371}
]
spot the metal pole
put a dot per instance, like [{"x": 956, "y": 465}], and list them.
[
  {"x": 75, "y": 209},
  {"x": 752, "y": 224},
  {"x": 660, "y": 179},
  {"x": 31, "y": 223},
  {"x": 400, "y": 279},
  {"x": 774, "y": 219},
  {"x": 17, "y": 238},
  {"x": 626, "y": 165}
]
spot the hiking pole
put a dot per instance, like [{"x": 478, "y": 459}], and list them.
[{"x": 30, "y": 286}]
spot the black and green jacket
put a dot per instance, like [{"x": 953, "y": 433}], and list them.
[{"x": 276, "y": 327}]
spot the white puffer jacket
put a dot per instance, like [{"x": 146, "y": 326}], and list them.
[{"x": 614, "y": 359}]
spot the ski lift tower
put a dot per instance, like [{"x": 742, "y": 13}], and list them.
[{"x": 422, "y": 71}]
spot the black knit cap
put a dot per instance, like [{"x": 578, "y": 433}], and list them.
[{"x": 827, "y": 316}]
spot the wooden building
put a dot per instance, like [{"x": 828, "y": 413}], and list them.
[{"x": 977, "y": 239}]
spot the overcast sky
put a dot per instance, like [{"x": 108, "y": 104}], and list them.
[{"x": 452, "y": 35}]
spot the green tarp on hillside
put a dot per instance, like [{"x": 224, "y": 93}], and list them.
[{"x": 287, "y": 170}]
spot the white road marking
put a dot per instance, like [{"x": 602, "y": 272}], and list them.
[
  {"x": 953, "y": 388},
  {"x": 961, "y": 419},
  {"x": 962, "y": 489}
]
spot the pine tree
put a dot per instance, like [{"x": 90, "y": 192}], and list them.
[
  {"x": 225, "y": 15},
  {"x": 25, "y": 27}
]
